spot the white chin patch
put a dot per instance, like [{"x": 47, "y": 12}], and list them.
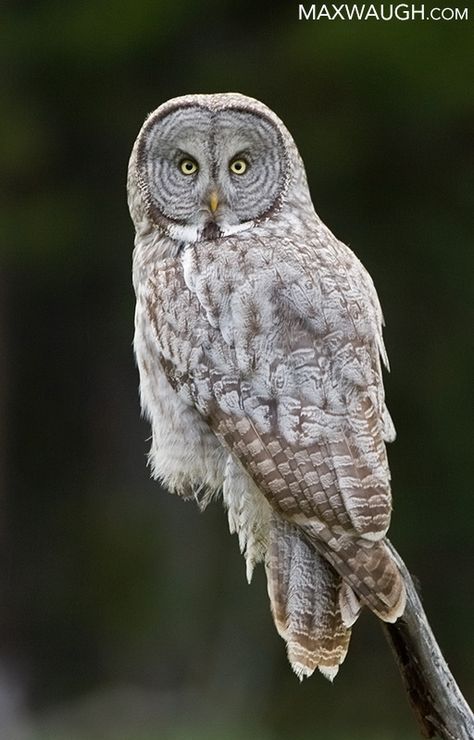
[
  {"x": 188, "y": 234},
  {"x": 235, "y": 228},
  {"x": 193, "y": 234}
]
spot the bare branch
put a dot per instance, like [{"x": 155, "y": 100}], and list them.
[{"x": 439, "y": 706}]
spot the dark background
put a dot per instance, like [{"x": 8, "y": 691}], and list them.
[{"x": 126, "y": 613}]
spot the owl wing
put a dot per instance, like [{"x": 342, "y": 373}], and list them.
[{"x": 282, "y": 358}]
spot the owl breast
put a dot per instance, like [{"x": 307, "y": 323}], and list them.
[{"x": 295, "y": 329}]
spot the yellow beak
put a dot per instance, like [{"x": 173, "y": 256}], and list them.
[{"x": 213, "y": 201}]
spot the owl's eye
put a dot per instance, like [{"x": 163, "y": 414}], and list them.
[
  {"x": 238, "y": 166},
  {"x": 188, "y": 166}
]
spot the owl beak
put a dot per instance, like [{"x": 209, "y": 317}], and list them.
[{"x": 213, "y": 201}]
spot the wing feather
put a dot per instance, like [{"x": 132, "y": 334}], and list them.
[{"x": 284, "y": 364}]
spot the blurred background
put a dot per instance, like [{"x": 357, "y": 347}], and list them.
[{"x": 125, "y": 613}]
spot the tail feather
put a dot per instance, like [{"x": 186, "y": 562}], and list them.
[
  {"x": 349, "y": 604},
  {"x": 367, "y": 567},
  {"x": 304, "y": 596}
]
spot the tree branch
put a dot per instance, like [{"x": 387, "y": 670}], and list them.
[{"x": 440, "y": 708}]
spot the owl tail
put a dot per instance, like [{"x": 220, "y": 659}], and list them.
[
  {"x": 370, "y": 573},
  {"x": 370, "y": 570},
  {"x": 306, "y": 596}
]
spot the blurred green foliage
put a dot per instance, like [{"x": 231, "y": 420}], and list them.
[{"x": 110, "y": 582}]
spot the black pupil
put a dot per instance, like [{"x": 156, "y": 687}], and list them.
[
  {"x": 237, "y": 165},
  {"x": 189, "y": 166}
]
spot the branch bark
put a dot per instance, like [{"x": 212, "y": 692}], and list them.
[{"x": 439, "y": 706}]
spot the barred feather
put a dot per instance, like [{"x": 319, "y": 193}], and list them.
[{"x": 304, "y": 593}]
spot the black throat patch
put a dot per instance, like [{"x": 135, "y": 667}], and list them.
[{"x": 211, "y": 231}]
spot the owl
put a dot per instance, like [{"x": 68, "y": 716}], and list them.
[{"x": 259, "y": 346}]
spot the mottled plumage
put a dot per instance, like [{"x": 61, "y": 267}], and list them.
[{"x": 258, "y": 341}]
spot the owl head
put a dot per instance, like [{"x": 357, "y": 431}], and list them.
[{"x": 207, "y": 166}]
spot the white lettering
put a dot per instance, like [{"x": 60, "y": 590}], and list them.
[
  {"x": 371, "y": 12},
  {"x": 324, "y": 12},
  {"x": 383, "y": 15},
  {"x": 402, "y": 12},
  {"x": 354, "y": 11},
  {"x": 384, "y": 12},
  {"x": 338, "y": 11},
  {"x": 420, "y": 11},
  {"x": 307, "y": 16}
]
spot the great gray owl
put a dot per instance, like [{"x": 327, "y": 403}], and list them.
[{"x": 258, "y": 341}]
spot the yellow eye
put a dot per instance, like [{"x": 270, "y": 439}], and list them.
[
  {"x": 238, "y": 166},
  {"x": 188, "y": 166}
]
